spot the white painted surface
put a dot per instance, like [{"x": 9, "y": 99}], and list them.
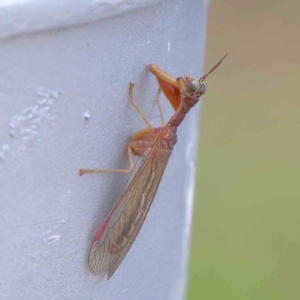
[
  {"x": 64, "y": 106},
  {"x": 24, "y": 16}
]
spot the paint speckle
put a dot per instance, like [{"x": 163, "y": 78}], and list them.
[
  {"x": 23, "y": 128},
  {"x": 50, "y": 238},
  {"x": 32, "y": 118},
  {"x": 169, "y": 46},
  {"x": 87, "y": 115},
  {"x": 3, "y": 153},
  {"x": 11, "y": 133}
]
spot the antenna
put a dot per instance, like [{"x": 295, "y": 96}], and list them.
[{"x": 215, "y": 66}]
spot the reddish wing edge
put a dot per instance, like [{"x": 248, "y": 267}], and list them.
[{"x": 119, "y": 230}]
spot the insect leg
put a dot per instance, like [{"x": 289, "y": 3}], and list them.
[
  {"x": 213, "y": 68},
  {"x": 130, "y": 170},
  {"x": 158, "y": 73},
  {"x": 131, "y": 86},
  {"x": 159, "y": 107}
]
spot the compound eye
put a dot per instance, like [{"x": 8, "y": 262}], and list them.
[
  {"x": 192, "y": 85},
  {"x": 202, "y": 87}
]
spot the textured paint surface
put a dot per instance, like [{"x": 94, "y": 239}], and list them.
[
  {"x": 32, "y": 125},
  {"x": 65, "y": 106}
]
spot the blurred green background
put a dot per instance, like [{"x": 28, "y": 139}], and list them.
[{"x": 245, "y": 237}]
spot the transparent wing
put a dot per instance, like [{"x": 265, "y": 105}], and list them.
[{"x": 119, "y": 230}]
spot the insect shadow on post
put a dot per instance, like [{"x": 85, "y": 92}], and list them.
[{"x": 154, "y": 147}]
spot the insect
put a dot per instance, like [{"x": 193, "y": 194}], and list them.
[{"x": 154, "y": 146}]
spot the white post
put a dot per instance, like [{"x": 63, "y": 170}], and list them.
[{"x": 65, "y": 69}]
